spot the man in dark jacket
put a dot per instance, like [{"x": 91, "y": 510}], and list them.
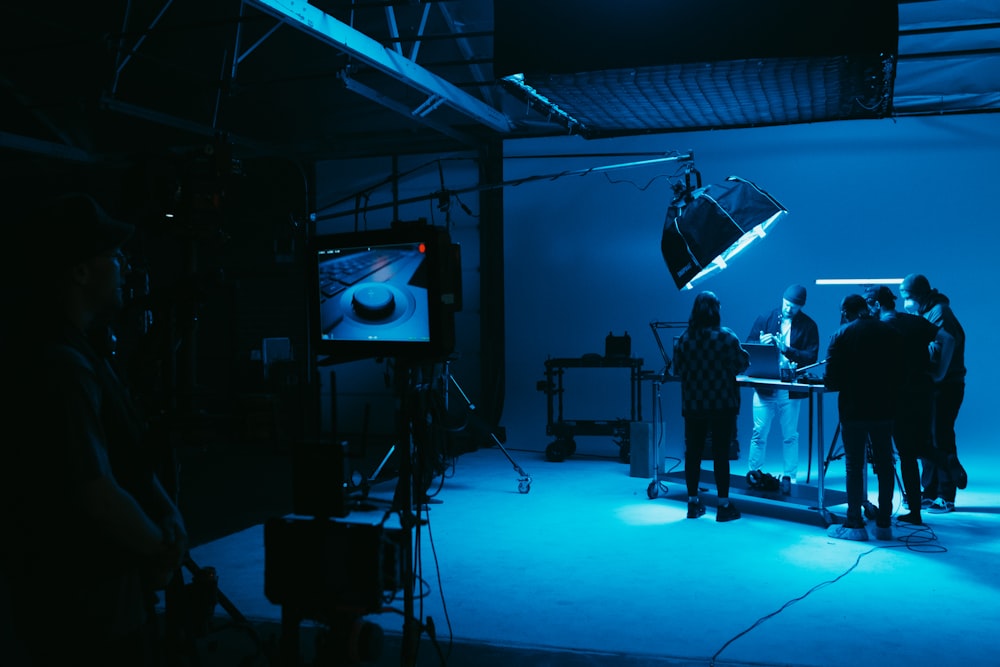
[
  {"x": 797, "y": 337},
  {"x": 864, "y": 364},
  {"x": 940, "y": 482},
  {"x": 912, "y": 429}
]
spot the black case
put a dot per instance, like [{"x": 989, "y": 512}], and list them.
[{"x": 617, "y": 347}]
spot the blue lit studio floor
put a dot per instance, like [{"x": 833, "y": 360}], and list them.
[{"x": 586, "y": 569}]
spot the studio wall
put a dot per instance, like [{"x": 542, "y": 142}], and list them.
[{"x": 866, "y": 199}]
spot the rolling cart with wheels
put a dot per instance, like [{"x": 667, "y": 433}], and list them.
[{"x": 565, "y": 430}]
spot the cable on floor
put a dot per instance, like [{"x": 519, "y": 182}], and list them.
[
  {"x": 919, "y": 538},
  {"x": 798, "y": 599},
  {"x": 444, "y": 605}
]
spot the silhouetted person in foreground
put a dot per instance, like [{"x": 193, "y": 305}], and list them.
[{"x": 91, "y": 534}]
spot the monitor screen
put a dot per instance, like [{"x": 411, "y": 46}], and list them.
[{"x": 385, "y": 293}]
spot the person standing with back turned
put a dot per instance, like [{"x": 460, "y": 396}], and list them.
[
  {"x": 864, "y": 365},
  {"x": 707, "y": 358},
  {"x": 941, "y": 481},
  {"x": 912, "y": 428},
  {"x": 797, "y": 337}
]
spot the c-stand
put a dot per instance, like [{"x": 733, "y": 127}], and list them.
[
  {"x": 413, "y": 436},
  {"x": 524, "y": 479}
]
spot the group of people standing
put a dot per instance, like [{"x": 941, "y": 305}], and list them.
[{"x": 900, "y": 378}]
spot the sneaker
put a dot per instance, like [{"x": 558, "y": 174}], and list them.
[
  {"x": 727, "y": 512},
  {"x": 957, "y": 472},
  {"x": 695, "y": 509},
  {"x": 912, "y": 518},
  {"x": 842, "y": 532},
  {"x": 786, "y": 485},
  {"x": 882, "y": 533},
  {"x": 941, "y": 506}
]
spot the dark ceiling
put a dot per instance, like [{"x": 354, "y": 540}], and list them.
[{"x": 98, "y": 82}]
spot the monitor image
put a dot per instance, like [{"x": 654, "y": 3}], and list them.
[{"x": 384, "y": 293}]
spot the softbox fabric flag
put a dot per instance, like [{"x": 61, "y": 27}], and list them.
[{"x": 705, "y": 227}]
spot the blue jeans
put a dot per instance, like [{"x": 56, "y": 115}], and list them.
[
  {"x": 765, "y": 409},
  {"x": 857, "y": 436}
]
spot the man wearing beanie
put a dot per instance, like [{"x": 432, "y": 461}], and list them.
[
  {"x": 912, "y": 429},
  {"x": 864, "y": 365},
  {"x": 797, "y": 337},
  {"x": 940, "y": 482},
  {"x": 89, "y": 528}
]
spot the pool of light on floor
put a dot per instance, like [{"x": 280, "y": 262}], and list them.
[{"x": 651, "y": 513}]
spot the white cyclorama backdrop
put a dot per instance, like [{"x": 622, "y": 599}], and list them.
[{"x": 866, "y": 199}]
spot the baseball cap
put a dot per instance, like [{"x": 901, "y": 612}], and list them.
[{"x": 73, "y": 227}]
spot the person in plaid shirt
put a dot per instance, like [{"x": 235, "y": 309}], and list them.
[{"x": 707, "y": 359}]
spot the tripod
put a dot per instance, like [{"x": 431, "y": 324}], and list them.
[
  {"x": 410, "y": 496},
  {"x": 524, "y": 479}
]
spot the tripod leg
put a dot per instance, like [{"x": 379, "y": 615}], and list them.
[
  {"x": 830, "y": 453},
  {"x": 218, "y": 595},
  {"x": 524, "y": 482}
]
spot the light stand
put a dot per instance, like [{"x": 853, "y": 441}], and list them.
[
  {"x": 524, "y": 479},
  {"x": 404, "y": 504},
  {"x": 407, "y": 497},
  {"x": 657, "y": 485},
  {"x": 364, "y": 485}
]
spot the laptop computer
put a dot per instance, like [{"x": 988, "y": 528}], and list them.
[{"x": 765, "y": 361}]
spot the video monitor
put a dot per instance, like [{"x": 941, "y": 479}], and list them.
[{"x": 384, "y": 293}]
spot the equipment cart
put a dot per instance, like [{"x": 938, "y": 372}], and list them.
[{"x": 565, "y": 430}]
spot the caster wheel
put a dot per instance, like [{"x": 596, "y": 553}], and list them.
[
  {"x": 524, "y": 486},
  {"x": 556, "y": 451},
  {"x": 653, "y": 490}
]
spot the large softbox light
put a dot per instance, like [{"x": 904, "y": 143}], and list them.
[{"x": 708, "y": 226}]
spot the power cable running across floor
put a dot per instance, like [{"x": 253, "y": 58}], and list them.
[{"x": 789, "y": 603}]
